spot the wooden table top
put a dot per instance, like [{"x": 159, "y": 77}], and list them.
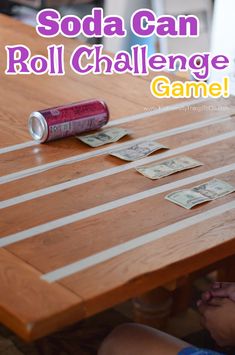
[{"x": 81, "y": 233}]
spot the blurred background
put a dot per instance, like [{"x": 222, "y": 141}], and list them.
[{"x": 216, "y": 19}]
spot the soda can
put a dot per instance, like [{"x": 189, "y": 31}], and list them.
[{"x": 68, "y": 120}]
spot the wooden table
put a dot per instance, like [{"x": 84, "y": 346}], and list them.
[{"x": 75, "y": 228}]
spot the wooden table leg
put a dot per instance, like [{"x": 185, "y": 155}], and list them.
[
  {"x": 227, "y": 272},
  {"x": 153, "y": 308},
  {"x": 183, "y": 295}
]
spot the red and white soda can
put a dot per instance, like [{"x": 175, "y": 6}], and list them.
[{"x": 68, "y": 120}]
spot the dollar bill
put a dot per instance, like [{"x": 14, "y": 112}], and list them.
[
  {"x": 106, "y": 136},
  {"x": 168, "y": 167},
  {"x": 138, "y": 151},
  {"x": 187, "y": 198},
  {"x": 208, "y": 191},
  {"x": 214, "y": 189}
]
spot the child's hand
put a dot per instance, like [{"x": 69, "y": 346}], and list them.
[
  {"x": 218, "y": 317},
  {"x": 224, "y": 289},
  {"x": 221, "y": 290}
]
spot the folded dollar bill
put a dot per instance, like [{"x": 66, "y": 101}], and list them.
[
  {"x": 138, "y": 151},
  {"x": 208, "y": 191},
  {"x": 106, "y": 136},
  {"x": 214, "y": 189},
  {"x": 168, "y": 167},
  {"x": 187, "y": 198}
]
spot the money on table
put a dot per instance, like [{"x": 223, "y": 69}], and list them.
[
  {"x": 138, "y": 151},
  {"x": 215, "y": 189},
  {"x": 206, "y": 192},
  {"x": 187, "y": 198},
  {"x": 106, "y": 136},
  {"x": 168, "y": 167}
]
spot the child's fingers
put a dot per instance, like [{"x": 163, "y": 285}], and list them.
[
  {"x": 228, "y": 291},
  {"x": 206, "y": 296},
  {"x": 217, "y": 285},
  {"x": 215, "y": 301},
  {"x": 221, "y": 292}
]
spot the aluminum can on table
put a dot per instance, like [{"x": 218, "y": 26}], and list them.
[{"x": 68, "y": 120}]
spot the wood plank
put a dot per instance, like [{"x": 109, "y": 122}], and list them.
[
  {"x": 131, "y": 94},
  {"x": 151, "y": 266},
  {"x": 41, "y": 90},
  {"x": 28, "y": 33},
  {"x": 94, "y": 165},
  {"x": 17, "y": 106},
  {"x": 31, "y": 307},
  {"x": 78, "y": 198},
  {"x": 44, "y": 153}
]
